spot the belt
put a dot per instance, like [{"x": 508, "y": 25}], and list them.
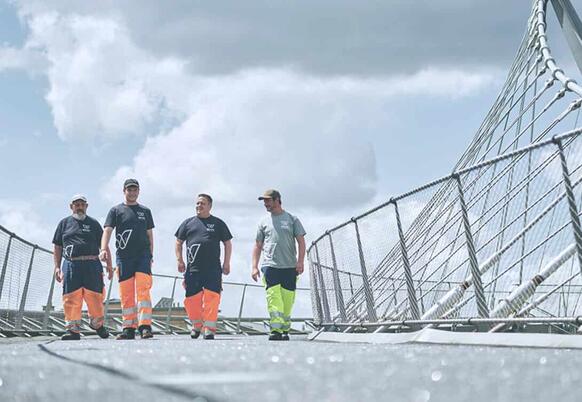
[{"x": 85, "y": 258}]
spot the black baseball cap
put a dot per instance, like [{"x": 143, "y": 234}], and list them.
[{"x": 130, "y": 183}]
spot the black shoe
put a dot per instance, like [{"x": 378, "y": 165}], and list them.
[
  {"x": 71, "y": 336},
  {"x": 145, "y": 331},
  {"x": 194, "y": 334},
  {"x": 209, "y": 336},
  {"x": 285, "y": 336},
  {"x": 127, "y": 333},
  {"x": 102, "y": 332},
  {"x": 276, "y": 336}
]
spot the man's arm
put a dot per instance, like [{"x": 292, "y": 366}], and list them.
[
  {"x": 57, "y": 256},
  {"x": 301, "y": 253},
  {"x": 105, "y": 254},
  {"x": 227, "y": 254},
  {"x": 255, "y": 274},
  {"x": 150, "y": 234},
  {"x": 178, "y": 251}
]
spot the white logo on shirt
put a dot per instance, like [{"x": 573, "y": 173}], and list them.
[
  {"x": 69, "y": 251},
  {"x": 140, "y": 215},
  {"x": 285, "y": 225},
  {"x": 86, "y": 228},
  {"x": 121, "y": 240},
  {"x": 210, "y": 227},
  {"x": 192, "y": 252}
]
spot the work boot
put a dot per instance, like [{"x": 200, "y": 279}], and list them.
[
  {"x": 209, "y": 336},
  {"x": 285, "y": 336},
  {"x": 276, "y": 336},
  {"x": 145, "y": 331},
  {"x": 71, "y": 336},
  {"x": 102, "y": 332},
  {"x": 127, "y": 333},
  {"x": 194, "y": 334}
]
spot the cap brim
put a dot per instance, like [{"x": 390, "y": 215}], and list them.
[{"x": 78, "y": 199}]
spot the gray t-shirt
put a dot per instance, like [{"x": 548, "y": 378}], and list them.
[{"x": 277, "y": 233}]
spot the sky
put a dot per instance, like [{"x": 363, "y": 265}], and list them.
[{"x": 337, "y": 104}]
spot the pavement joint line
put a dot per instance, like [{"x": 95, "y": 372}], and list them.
[{"x": 191, "y": 396}]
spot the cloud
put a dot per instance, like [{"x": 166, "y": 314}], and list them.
[
  {"x": 322, "y": 38},
  {"x": 20, "y": 218},
  {"x": 12, "y": 58}
]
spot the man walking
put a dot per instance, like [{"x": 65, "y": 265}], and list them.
[
  {"x": 276, "y": 237},
  {"x": 134, "y": 240},
  {"x": 76, "y": 242},
  {"x": 203, "y": 234}
]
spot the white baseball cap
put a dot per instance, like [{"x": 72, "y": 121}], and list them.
[{"x": 78, "y": 197}]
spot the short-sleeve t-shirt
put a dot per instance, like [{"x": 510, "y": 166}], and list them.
[
  {"x": 131, "y": 223},
  {"x": 278, "y": 233},
  {"x": 78, "y": 237},
  {"x": 203, "y": 237}
]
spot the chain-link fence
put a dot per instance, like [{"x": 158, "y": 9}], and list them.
[
  {"x": 498, "y": 239},
  {"x": 31, "y": 303}
]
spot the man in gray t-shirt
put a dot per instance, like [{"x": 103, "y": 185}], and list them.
[{"x": 276, "y": 237}]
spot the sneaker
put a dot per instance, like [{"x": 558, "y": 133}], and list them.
[
  {"x": 102, "y": 332},
  {"x": 209, "y": 336},
  {"x": 71, "y": 336},
  {"x": 194, "y": 334},
  {"x": 285, "y": 336},
  {"x": 146, "y": 333},
  {"x": 276, "y": 336},
  {"x": 127, "y": 333}
]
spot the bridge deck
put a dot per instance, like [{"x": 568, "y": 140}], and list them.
[{"x": 176, "y": 368}]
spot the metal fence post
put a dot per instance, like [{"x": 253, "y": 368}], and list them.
[
  {"x": 473, "y": 263},
  {"x": 412, "y": 301},
  {"x": 5, "y": 265},
  {"x": 106, "y": 312},
  {"x": 240, "y": 310},
  {"x": 339, "y": 297},
  {"x": 324, "y": 301},
  {"x": 571, "y": 201},
  {"x": 365, "y": 283},
  {"x": 171, "y": 305},
  {"x": 49, "y": 303},
  {"x": 20, "y": 314},
  {"x": 314, "y": 287}
]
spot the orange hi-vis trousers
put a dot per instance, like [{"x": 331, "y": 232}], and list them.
[
  {"x": 203, "y": 298},
  {"x": 202, "y": 309},
  {"x": 135, "y": 282},
  {"x": 82, "y": 280}
]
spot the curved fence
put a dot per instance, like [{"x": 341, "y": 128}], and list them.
[
  {"x": 31, "y": 302},
  {"x": 498, "y": 241}
]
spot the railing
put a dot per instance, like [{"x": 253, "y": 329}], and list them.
[
  {"x": 497, "y": 241},
  {"x": 31, "y": 301}
]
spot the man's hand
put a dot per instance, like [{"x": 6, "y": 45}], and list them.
[
  {"x": 181, "y": 266},
  {"x": 104, "y": 255},
  {"x": 299, "y": 268},
  {"x": 109, "y": 272},
  {"x": 256, "y": 274},
  {"x": 226, "y": 268},
  {"x": 58, "y": 274}
]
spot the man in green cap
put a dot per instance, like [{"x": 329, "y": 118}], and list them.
[{"x": 276, "y": 237}]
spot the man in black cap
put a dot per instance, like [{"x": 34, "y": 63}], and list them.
[
  {"x": 276, "y": 237},
  {"x": 76, "y": 243},
  {"x": 134, "y": 241}
]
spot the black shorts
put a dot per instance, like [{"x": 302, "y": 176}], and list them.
[
  {"x": 82, "y": 274},
  {"x": 286, "y": 277},
  {"x": 195, "y": 281},
  {"x": 128, "y": 266}
]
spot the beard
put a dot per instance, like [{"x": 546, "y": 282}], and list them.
[{"x": 79, "y": 216}]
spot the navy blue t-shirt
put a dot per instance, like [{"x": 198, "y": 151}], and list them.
[
  {"x": 131, "y": 223},
  {"x": 203, "y": 237},
  {"x": 78, "y": 237}
]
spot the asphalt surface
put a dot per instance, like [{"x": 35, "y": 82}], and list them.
[{"x": 232, "y": 368}]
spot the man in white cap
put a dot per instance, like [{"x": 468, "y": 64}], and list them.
[
  {"x": 76, "y": 242},
  {"x": 276, "y": 237}
]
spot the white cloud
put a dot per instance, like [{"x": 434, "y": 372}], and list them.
[{"x": 20, "y": 218}]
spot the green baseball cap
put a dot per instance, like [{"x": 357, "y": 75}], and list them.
[{"x": 270, "y": 194}]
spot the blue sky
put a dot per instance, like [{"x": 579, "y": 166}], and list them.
[{"x": 337, "y": 104}]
